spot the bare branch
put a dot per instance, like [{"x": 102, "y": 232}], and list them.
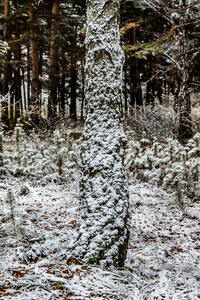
[
  {"x": 165, "y": 13},
  {"x": 173, "y": 60},
  {"x": 184, "y": 8},
  {"x": 194, "y": 55},
  {"x": 157, "y": 9},
  {"x": 144, "y": 83}
]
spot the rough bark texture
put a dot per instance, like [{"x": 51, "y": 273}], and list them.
[{"x": 103, "y": 230}]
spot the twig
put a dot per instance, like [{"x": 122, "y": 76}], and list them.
[{"x": 152, "y": 77}]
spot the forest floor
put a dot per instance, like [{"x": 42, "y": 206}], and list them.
[
  {"x": 38, "y": 220},
  {"x": 163, "y": 260}
]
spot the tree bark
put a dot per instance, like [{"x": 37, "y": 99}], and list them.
[
  {"x": 73, "y": 75},
  {"x": 185, "y": 121},
  {"x": 53, "y": 68},
  {"x": 6, "y": 35},
  {"x": 17, "y": 73},
  {"x": 134, "y": 72},
  {"x": 159, "y": 62},
  {"x": 35, "y": 84},
  {"x": 103, "y": 230},
  {"x": 7, "y": 70},
  {"x": 28, "y": 74},
  {"x": 125, "y": 90},
  {"x": 63, "y": 79},
  {"x": 149, "y": 85},
  {"x": 83, "y": 89}
]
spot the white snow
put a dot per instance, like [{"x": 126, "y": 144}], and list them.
[{"x": 163, "y": 259}]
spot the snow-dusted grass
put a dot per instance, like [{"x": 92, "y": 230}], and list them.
[{"x": 163, "y": 259}]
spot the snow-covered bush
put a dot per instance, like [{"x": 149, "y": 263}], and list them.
[
  {"x": 50, "y": 159},
  {"x": 151, "y": 121},
  {"x": 170, "y": 165}
]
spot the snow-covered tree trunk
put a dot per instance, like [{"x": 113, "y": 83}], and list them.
[{"x": 103, "y": 229}]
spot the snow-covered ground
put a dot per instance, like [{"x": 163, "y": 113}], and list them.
[{"x": 163, "y": 259}]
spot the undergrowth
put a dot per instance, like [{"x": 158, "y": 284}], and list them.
[
  {"x": 171, "y": 165},
  {"x": 31, "y": 157}
]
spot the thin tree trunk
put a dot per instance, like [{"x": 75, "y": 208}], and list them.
[
  {"x": 35, "y": 62},
  {"x": 9, "y": 108},
  {"x": 7, "y": 70},
  {"x": 139, "y": 100},
  {"x": 73, "y": 76},
  {"x": 17, "y": 72},
  {"x": 23, "y": 94},
  {"x": 134, "y": 71},
  {"x": 185, "y": 122},
  {"x": 158, "y": 85},
  {"x": 40, "y": 52},
  {"x": 125, "y": 89},
  {"x": 53, "y": 68},
  {"x": 6, "y": 34},
  {"x": 62, "y": 90},
  {"x": 28, "y": 76},
  {"x": 175, "y": 86},
  {"x": 131, "y": 65},
  {"x": 83, "y": 89},
  {"x": 83, "y": 100},
  {"x": 149, "y": 82},
  {"x": 103, "y": 230}
]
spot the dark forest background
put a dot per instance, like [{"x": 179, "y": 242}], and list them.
[{"x": 42, "y": 78}]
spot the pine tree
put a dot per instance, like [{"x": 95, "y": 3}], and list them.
[{"x": 103, "y": 231}]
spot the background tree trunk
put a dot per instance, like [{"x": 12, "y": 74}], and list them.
[
  {"x": 17, "y": 73},
  {"x": 185, "y": 122},
  {"x": 125, "y": 90},
  {"x": 134, "y": 72},
  {"x": 35, "y": 61},
  {"x": 73, "y": 74},
  {"x": 6, "y": 34},
  {"x": 63, "y": 79},
  {"x": 103, "y": 231},
  {"x": 159, "y": 62},
  {"x": 53, "y": 68},
  {"x": 28, "y": 73},
  {"x": 83, "y": 89},
  {"x": 7, "y": 72}
]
